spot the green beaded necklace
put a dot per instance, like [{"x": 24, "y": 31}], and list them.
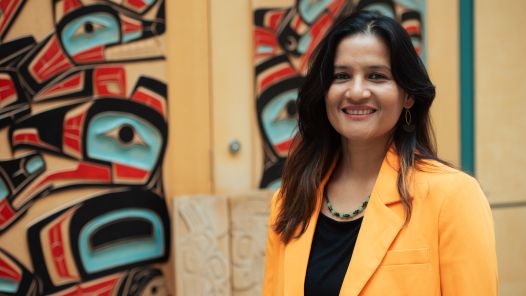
[{"x": 346, "y": 215}]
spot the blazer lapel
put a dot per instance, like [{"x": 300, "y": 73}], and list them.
[
  {"x": 297, "y": 251},
  {"x": 379, "y": 228}
]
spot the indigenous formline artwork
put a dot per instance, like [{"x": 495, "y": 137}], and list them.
[
  {"x": 285, "y": 37},
  {"x": 83, "y": 129}
]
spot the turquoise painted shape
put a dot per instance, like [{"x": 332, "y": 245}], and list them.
[
  {"x": 276, "y": 184},
  {"x": 4, "y": 190},
  {"x": 412, "y": 4},
  {"x": 304, "y": 43},
  {"x": 103, "y": 29},
  {"x": 103, "y": 142},
  {"x": 311, "y": 11},
  {"x": 122, "y": 252},
  {"x": 279, "y": 129},
  {"x": 127, "y": 37},
  {"x": 382, "y": 9},
  {"x": 264, "y": 49},
  {"x": 8, "y": 286},
  {"x": 34, "y": 164}
]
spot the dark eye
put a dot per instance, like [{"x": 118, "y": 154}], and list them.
[
  {"x": 341, "y": 76},
  {"x": 377, "y": 76},
  {"x": 126, "y": 135},
  {"x": 88, "y": 28},
  {"x": 288, "y": 111}
]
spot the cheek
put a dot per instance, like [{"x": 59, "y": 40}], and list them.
[{"x": 331, "y": 107}]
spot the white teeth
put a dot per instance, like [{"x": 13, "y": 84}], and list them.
[{"x": 358, "y": 112}]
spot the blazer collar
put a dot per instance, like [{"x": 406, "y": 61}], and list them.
[{"x": 380, "y": 226}]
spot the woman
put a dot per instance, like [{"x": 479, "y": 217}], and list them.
[{"x": 366, "y": 207}]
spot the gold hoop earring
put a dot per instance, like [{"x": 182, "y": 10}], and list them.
[{"x": 408, "y": 125}]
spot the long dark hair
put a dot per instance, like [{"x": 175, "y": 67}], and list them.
[{"x": 318, "y": 143}]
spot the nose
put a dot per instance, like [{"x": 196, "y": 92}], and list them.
[{"x": 358, "y": 89}]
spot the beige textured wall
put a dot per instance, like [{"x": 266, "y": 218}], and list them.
[
  {"x": 500, "y": 96},
  {"x": 443, "y": 65},
  {"x": 500, "y": 99}
]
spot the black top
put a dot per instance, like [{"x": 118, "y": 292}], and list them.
[{"x": 330, "y": 254}]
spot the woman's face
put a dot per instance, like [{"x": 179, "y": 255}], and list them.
[{"x": 364, "y": 102}]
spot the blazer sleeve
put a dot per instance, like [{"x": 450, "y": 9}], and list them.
[
  {"x": 468, "y": 263},
  {"x": 272, "y": 253}
]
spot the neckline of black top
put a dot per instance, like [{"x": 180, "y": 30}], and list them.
[{"x": 338, "y": 223}]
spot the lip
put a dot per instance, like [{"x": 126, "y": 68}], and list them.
[{"x": 348, "y": 109}]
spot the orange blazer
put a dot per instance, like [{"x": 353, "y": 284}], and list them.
[{"x": 447, "y": 248}]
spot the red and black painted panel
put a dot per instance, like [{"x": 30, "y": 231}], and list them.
[{"x": 74, "y": 116}]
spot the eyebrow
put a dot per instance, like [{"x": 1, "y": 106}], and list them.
[{"x": 373, "y": 67}]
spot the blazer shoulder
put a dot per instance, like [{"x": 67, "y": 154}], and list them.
[
  {"x": 437, "y": 173},
  {"x": 443, "y": 180}
]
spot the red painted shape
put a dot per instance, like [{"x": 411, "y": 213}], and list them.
[
  {"x": 6, "y": 213},
  {"x": 129, "y": 172},
  {"x": 412, "y": 29},
  {"x": 71, "y": 83},
  {"x": 296, "y": 23},
  {"x": 137, "y": 4},
  {"x": 278, "y": 75},
  {"x": 98, "y": 288},
  {"x": 31, "y": 138},
  {"x": 275, "y": 18},
  {"x": 264, "y": 37},
  {"x": 56, "y": 242},
  {"x": 95, "y": 54},
  {"x": 149, "y": 100},
  {"x": 70, "y": 5},
  {"x": 130, "y": 25},
  {"x": 7, "y": 90},
  {"x": 72, "y": 132},
  {"x": 110, "y": 81},
  {"x": 8, "y": 271},
  {"x": 85, "y": 171},
  {"x": 284, "y": 146},
  {"x": 336, "y": 7},
  {"x": 8, "y": 8},
  {"x": 50, "y": 61}
]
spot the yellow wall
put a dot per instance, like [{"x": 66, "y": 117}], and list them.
[{"x": 188, "y": 157}]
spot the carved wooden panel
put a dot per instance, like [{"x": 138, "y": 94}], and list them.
[
  {"x": 201, "y": 246},
  {"x": 249, "y": 222}
]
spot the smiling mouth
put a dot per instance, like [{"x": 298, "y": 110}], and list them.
[{"x": 358, "y": 112}]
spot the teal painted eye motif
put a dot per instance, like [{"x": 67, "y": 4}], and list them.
[
  {"x": 89, "y": 31},
  {"x": 126, "y": 135},
  {"x": 279, "y": 120},
  {"x": 124, "y": 138}
]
